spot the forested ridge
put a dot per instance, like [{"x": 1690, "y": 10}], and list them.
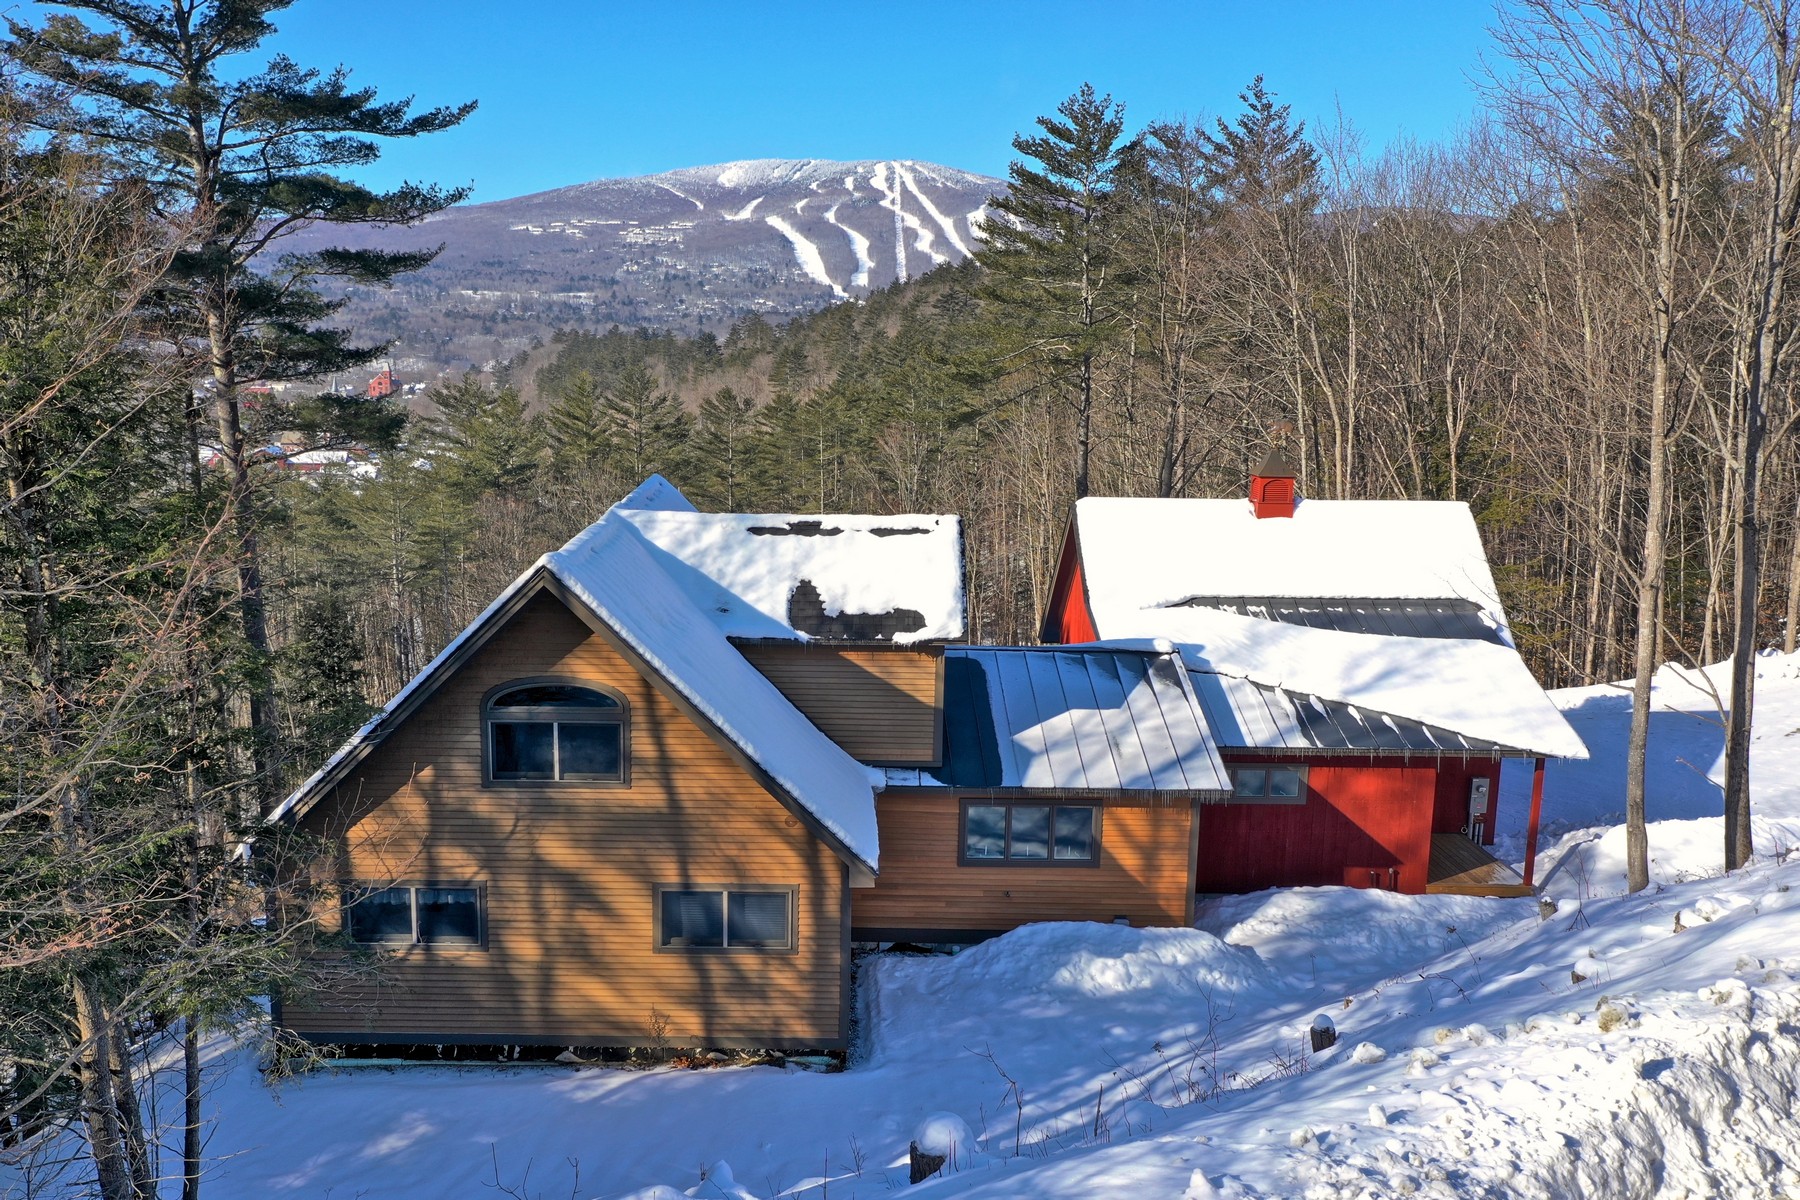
[
  {"x": 1427, "y": 323},
  {"x": 1575, "y": 317}
]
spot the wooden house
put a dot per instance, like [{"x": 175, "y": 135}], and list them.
[{"x": 657, "y": 790}]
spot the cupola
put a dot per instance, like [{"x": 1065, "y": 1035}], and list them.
[{"x": 1272, "y": 486}]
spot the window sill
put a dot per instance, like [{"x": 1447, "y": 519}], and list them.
[
  {"x": 428, "y": 948},
  {"x": 1014, "y": 864}
]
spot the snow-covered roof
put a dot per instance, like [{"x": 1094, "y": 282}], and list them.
[
  {"x": 1150, "y": 553},
  {"x": 1070, "y": 719},
  {"x": 658, "y": 494},
  {"x": 1305, "y": 604},
  {"x": 611, "y": 569},
  {"x": 616, "y": 575},
  {"x": 831, "y": 577},
  {"x": 1472, "y": 687}
]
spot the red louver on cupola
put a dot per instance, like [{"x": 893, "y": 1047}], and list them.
[{"x": 1272, "y": 487}]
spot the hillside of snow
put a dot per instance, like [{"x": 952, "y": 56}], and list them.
[
  {"x": 1619, "y": 1046},
  {"x": 1583, "y": 839}
]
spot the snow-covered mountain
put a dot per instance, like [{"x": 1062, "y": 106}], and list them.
[
  {"x": 686, "y": 250},
  {"x": 846, "y": 227}
]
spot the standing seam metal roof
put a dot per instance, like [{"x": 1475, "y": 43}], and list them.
[
  {"x": 1103, "y": 720},
  {"x": 1246, "y": 714}
]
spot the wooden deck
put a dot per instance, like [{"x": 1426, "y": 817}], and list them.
[{"x": 1460, "y": 867}]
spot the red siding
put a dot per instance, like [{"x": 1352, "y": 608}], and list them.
[
  {"x": 1066, "y": 618},
  {"x": 1358, "y": 817}
]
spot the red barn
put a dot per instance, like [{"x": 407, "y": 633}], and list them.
[{"x": 1356, "y": 668}]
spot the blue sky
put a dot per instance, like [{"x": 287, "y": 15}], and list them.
[{"x": 572, "y": 90}]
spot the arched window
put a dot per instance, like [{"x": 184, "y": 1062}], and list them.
[{"x": 544, "y": 730}]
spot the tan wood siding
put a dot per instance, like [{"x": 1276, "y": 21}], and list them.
[
  {"x": 881, "y": 704},
  {"x": 569, "y": 872},
  {"x": 1142, "y": 874}
]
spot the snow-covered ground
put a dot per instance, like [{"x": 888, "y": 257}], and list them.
[
  {"x": 1622, "y": 1046},
  {"x": 1583, "y": 840}
]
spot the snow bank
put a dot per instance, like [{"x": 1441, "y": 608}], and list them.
[
  {"x": 1328, "y": 933},
  {"x": 1082, "y": 980}
]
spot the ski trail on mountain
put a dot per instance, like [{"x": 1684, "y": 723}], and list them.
[
  {"x": 665, "y": 187},
  {"x": 743, "y": 214},
  {"x": 806, "y": 254},
  {"x": 926, "y": 241},
  {"x": 859, "y": 246},
  {"x": 947, "y": 224},
  {"x": 890, "y": 198}
]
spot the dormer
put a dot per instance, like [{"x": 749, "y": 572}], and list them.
[{"x": 1272, "y": 486}]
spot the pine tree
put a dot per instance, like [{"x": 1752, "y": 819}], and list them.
[
  {"x": 723, "y": 441},
  {"x": 479, "y": 440},
  {"x": 239, "y": 159},
  {"x": 324, "y": 674},
  {"x": 1053, "y": 254},
  {"x": 1263, "y": 160},
  {"x": 574, "y": 427},
  {"x": 646, "y": 428}
]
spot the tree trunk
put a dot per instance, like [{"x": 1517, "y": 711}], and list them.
[
  {"x": 99, "y": 1104},
  {"x": 253, "y": 615},
  {"x": 1791, "y": 639},
  {"x": 1778, "y": 230},
  {"x": 190, "y": 1111},
  {"x": 1649, "y": 632},
  {"x": 1084, "y": 421},
  {"x": 131, "y": 1113}
]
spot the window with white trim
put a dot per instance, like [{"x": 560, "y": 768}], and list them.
[
  {"x": 1268, "y": 783},
  {"x": 547, "y": 731}
]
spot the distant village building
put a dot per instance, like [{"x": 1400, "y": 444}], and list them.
[
  {"x": 662, "y": 785},
  {"x": 382, "y": 385}
]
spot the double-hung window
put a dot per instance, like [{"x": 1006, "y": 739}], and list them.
[
  {"x": 414, "y": 915},
  {"x": 724, "y": 917},
  {"x": 555, "y": 731},
  {"x": 1268, "y": 783},
  {"x": 1052, "y": 834}
]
